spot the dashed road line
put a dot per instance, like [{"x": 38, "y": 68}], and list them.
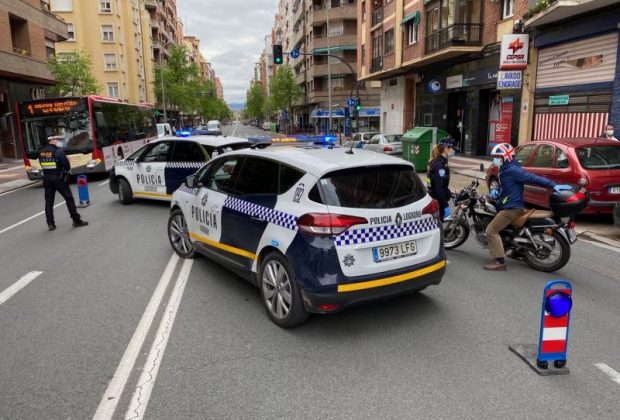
[
  {"x": 9, "y": 292},
  {"x": 113, "y": 393},
  {"x": 27, "y": 220},
  {"x": 142, "y": 393},
  {"x": 613, "y": 375}
]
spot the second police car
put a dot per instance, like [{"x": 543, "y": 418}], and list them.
[
  {"x": 157, "y": 169},
  {"x": 316, "y": 228}
]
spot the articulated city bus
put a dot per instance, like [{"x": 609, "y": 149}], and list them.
[{"x": 95, "y": 131}]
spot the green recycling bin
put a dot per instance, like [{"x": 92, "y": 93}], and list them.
[{"x": 417, "y": 145}]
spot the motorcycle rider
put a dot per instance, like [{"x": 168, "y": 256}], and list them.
[
  {"x": 510, "y": 203},
  {"x": 439, "y": 175}
]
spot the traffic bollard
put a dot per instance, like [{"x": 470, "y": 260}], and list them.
[
  {"x": 82, "y": 184},
  {"x": 554, "y": 323}
]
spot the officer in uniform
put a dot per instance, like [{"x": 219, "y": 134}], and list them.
[
  {"x": 439, "y": 175},
  {"x": 55, "y": 167}
]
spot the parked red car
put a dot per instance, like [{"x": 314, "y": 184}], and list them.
[{"x": 593, "y": 163}]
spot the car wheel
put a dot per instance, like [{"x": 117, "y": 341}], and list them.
[
  {"x": 125, "y": 195},
  {"x": 178, "y": 234},
  {"x": 280, "y": 292}
]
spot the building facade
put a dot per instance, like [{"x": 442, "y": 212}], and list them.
[
  {"x": 28, "y": 36},
  {"x": 165, "y": 27}
]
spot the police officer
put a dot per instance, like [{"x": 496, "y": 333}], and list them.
[
  {"x": 55, "y": 167},
  {"x": 439, "y": 175}
]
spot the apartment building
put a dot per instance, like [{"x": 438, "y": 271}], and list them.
[
  {"x": 117, "y": 34},
  {"x": 438, "y": 61},
  {"x": 327, "y": 27},
  {"x": 165, "y": 27},
  {"x": 28, "y": 36}
]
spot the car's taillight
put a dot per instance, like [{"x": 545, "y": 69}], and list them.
[
  {"x": 388, "y": 149},
  {"x": 432, "y": 209},
  {"x": 326, "y": 224},
  {"x": 583, "y": 180},
  {"x": 572, "y": 224}
]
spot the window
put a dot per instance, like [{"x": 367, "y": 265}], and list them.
[
  {"x": 110, "y": 62},
  {"x": 113, "y": 89},
  {"x": 599, "y": 157},
  {"x": 105, "y": 7},
  {"x": 107, "y": 33},
  {"x": 412, "y": 33},
  {"x": 543, "y": 157},
  {"x": 288, "y": 177},
  {"x": 389, "y": 41},
  {"x": 561, "y": 161},
  {"x": 363, "y": 54},
  {"x": 158, "y": 153},
  {"x": 187, "y": 151},
  {"x": 70, "y": 32},
  {"x": 337, "y": 83},
  {"x": 258, "y": 176},
  {"x": 336, "y": 29},
  {"x": 50, "y": 48},
  {"x": 508, "y": 8},
  {"x": 223, "y": 175},
  {"x": 523, "y": 155},
  {"x": 45, "y": 5},
  {"x": 62, "y": 5}
]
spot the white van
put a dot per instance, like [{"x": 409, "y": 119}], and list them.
[
  {"x": 163, "y": 130},
  {"x": 214, "y": 128}
]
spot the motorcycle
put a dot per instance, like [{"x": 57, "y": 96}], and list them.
[{"x": 541, "y": 238}]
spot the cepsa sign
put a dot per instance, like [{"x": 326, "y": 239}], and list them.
[
  {"x": 57, "y": 106},
  {"x": 514, "y": 52}
]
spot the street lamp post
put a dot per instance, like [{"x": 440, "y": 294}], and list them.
[
  {"x": 329, "y": 70},
  {"x": 163, "y": 93}
]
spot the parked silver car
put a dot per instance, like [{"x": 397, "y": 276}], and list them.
[{"x": 390, "y": 144}]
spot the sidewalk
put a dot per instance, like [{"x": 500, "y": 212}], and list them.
[
  {"x": 469, "y": 166},
  {"x": 13, "y": 176}
]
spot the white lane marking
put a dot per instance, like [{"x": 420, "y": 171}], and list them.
[
  {"x": 18, "y": 285},
  {"x": 103, "y": 183},
  {"x": 113, "y": 393},
  {"x": 144, "y": 387},
  {"x": 27, "y": 220},
  {"x": 600, "y": 245},
  {"x": 234, "y": 130},
  {"x": 19, "y": 189},
  {"x": 613, "y": 375}
]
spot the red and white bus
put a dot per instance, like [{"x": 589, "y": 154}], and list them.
[{"x": 95, "y": 130}]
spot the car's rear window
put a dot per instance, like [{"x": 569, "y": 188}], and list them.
[
  {"x": 393, "y": 138},
  {"x": 374, "y": 187},
  {"x": 599, "y": 157}
]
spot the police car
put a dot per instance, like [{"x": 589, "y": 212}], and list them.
[
  {"x": 158, "y": 168},
  {"x": 316, "y": 228}
]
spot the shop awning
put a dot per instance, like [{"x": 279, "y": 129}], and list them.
[
  {"x": 412, "y": 17},
  {"x": 370, "y": 112},
  {"x": 334, "y": 49},
  {"x": 324, "y": 113}
]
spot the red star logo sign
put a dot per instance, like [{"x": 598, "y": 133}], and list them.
[{"x": 515, "y": 45}]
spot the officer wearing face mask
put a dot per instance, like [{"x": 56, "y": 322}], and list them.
[
  {"x": 512, "y": 179},
  {"x": 609, "y": 133},
  {"x": 55, "y": 167},
  {"x": 439, "y": 175}
]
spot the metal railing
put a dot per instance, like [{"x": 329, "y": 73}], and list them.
[
  {"x": 376, "y": 64},
  {"x": 377, "y": 16},
  {"x": 464, "y": 34}
]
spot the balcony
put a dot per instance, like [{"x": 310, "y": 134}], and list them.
[
  {"x": 150, "y": 4},
  {"x": 376, "y": 64},
  {"x": 334, "y": 41},
  {"x": 457, "y": 35},
  {"x": 347, "y": 11},
  {"x": 320, "y": 70},
  {"x": 25, "y": 67},
  {"x": 377, "y": 16},
  {"x": 154, "y": 24}
]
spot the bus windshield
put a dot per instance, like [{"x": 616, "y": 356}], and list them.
[{"x": 69, "y": 120}]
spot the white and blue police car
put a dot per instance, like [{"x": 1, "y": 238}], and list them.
[
  {"x": 317, "y": 228},
  {"x": 158, "y": 168}
]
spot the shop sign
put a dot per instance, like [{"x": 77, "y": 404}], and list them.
[
  {"x": 514, "y": 52},
  {"x": 590, "y": 60},
  {"x": 454, "y": 82},
  {"x": 559, "y": 100},
  {"x": 509, "y": 79},
  {"x": 480, "y": 77}
]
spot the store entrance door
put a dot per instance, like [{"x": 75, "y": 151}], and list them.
[{"x": 457, "y": 115}]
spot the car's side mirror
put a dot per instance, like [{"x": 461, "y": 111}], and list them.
[
  {"x": 191, "y": 181},
  {"x": 482, "y": 167}
]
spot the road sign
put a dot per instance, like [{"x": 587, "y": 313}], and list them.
[
  {"x": 351, "y": 102},
  {"x": 295, "y": 53}
]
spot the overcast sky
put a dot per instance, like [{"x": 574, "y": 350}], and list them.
[{"x": 232, "y": 36}]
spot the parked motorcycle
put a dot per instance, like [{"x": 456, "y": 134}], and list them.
[{"x": 541, "y": 237}]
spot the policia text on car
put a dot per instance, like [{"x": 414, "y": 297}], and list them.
[{"x": 55, "y": 167}]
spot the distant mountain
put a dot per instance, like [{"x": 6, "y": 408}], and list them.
[{"x": 236, "y": 106}]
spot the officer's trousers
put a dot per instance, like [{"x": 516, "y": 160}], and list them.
[{"x": 51, "y": 185}]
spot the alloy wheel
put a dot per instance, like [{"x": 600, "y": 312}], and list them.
[
  {"x": 277, "y": 289},
  {"x": 179, "y": 235}
]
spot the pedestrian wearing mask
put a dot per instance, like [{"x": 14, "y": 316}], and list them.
[
  {"x": 609, "y": 133},
  {"x": 439, "y": 175},
  {"x": 55, "y": 167}
]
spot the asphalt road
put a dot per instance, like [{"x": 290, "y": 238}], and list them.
[{"x": 210, "y": 350}]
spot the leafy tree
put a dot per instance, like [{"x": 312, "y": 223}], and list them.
[
  {"x": 73, "y": 74},
  {"x": 181, "y": 80},
  {"x": 255, "y": 101},
  {"x": 284, "y": 89}
]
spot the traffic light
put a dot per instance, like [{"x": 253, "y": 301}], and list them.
[
  {"x": 358, "y": 104},
  {"x": 277, "y": 54}
]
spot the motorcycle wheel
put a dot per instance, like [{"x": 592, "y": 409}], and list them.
[
  {"x": 457, "y": 235},
  {"x": 548, "y": 260}
]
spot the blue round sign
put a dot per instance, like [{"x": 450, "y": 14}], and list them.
[
  {"x": 295, "y": 53},
  {"x": 351, "y": 102},
  {"x": 434, "y": 86}
]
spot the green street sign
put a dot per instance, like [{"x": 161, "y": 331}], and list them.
[
  {"x": 157, "y": 113},
  {"x": 559, "y": 100}
]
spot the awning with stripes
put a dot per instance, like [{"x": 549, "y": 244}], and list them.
[
  {"x": 569, "y": 125},
  {"x": 412, "y": 17}
]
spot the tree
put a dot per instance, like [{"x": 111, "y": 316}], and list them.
[
  {"x": 255, "y": 101},
  {"x": 284, "y": 89},
  {"x": 73, "y": 74}
]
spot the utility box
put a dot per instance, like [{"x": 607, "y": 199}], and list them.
[{"x": 418, "y": 143}]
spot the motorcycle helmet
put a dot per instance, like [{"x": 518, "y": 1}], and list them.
[{"x": 503, "y": 150}]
